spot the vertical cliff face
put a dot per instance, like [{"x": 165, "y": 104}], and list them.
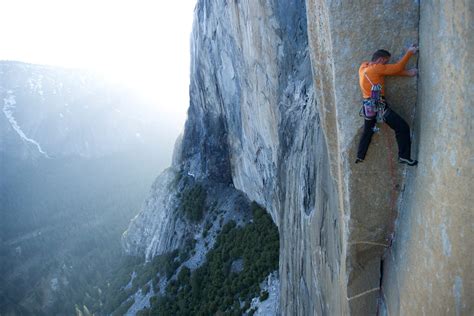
[
  {"x": 253, "y": 124},
  {"x": 274, "y": 113},
  {"x": 429, "y": 268},
  {"x": 425, "y": 270},
  {"x": 251, "y": 73},
  {"x": 341, "y": 36}
]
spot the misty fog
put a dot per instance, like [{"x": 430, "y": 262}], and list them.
[{"x": 81, "y": 142}]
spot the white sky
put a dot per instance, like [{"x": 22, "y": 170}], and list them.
[{"x": 143, "y": 43}]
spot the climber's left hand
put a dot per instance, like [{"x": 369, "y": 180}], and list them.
[{"x": 412, "y": 72}]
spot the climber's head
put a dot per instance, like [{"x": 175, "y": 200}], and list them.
[{"x": 381, "y": 57}]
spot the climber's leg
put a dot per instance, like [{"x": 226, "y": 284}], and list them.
[
  {"x": 365, "y": 139},
  {"x": 402, "y": 133}
]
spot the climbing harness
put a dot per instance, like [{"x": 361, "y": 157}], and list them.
[{"x": 374, "y": 107}]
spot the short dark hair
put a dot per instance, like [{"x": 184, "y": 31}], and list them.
[{"x": 380, "y": 53}]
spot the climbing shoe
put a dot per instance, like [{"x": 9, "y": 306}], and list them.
[
  {"x": 359, "y": 160},
  {"x": 410, "y": 162}
]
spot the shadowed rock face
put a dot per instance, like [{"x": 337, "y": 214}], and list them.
[
  {"x": 253, "y": 122},
  {"x": 251, "y": 67},
  {"x": 274, "y": 112}
]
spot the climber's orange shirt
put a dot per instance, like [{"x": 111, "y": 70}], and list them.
[{"x": 376, "y": 73}]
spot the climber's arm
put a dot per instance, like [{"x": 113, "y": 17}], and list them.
[
  {"x": 395, "y": 69},
  {"x": 398, "y": 69}
]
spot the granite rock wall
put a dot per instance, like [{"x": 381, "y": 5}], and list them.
[
  {"x": 342, "y": 34},
  {"x": 428, "y": 270}
]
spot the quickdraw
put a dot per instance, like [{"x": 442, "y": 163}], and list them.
[{"x": 375, "y": 106}]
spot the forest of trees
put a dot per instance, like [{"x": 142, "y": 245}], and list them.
[
  {"x": 193, "y": 200},
  {"x": 214, "y": 288}
]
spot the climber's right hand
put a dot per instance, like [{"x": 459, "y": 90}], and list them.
[{"x": 413, "y": 48}]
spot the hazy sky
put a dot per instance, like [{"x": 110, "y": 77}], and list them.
[{"x": 144, "y": 43}]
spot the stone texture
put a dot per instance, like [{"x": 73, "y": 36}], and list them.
[
  {"x": 160, "y": 227},
  {"x": 429, "y": 268},
  {"x": 253, "y": 123},
  {"x": 342, "y": 34},
  {"x": 157, "y": 229},
  {"x": 250, "y": 67}
]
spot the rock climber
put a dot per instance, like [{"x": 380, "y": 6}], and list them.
[{"x": 372, "y": 74}]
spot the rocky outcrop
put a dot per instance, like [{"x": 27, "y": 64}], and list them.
[
  {"x": 157, "y": 230},
  {"x": 274, "y": 112}
]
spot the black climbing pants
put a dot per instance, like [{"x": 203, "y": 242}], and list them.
[{"x": 402, "y": 133}]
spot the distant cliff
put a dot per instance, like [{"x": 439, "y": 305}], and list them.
[
  {"x": 273, "y": 112},
  {"x": 53, "y": 112}
]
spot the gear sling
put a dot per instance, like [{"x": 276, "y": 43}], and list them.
[{"x": 375, "y": 106}]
